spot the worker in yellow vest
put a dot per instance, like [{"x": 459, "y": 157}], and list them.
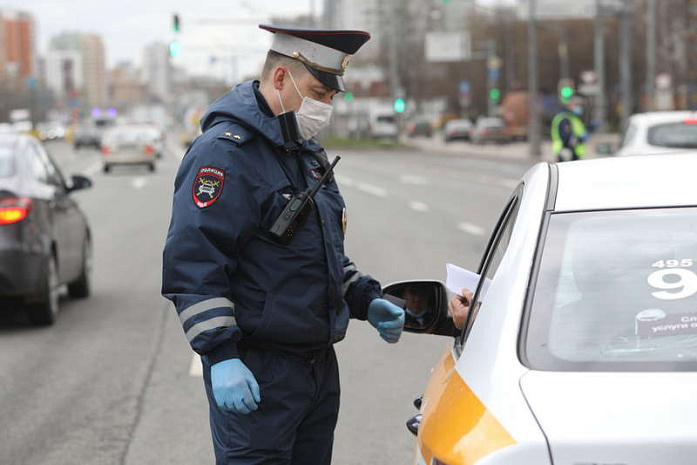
[{"x": 569, "y": 134}]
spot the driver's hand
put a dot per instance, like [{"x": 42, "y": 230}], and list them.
[{"x": 459, "y": 306}]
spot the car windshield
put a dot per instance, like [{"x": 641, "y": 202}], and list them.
[
  {"x": 385, "y": 119},
  {"x": 616, "y": 291},
  {"x": 674, "y": 135},
  {"x": 6, "y": 164}
]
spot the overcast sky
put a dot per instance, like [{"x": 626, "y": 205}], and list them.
[{"x": 127, "y": 26}]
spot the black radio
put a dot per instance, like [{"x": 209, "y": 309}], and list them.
[{"x": 293, "y": 216}]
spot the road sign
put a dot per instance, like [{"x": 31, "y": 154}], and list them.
[{"x": 447, "y": 47}]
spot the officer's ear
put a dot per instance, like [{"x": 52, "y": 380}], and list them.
[{"x": 279, "y": 77}]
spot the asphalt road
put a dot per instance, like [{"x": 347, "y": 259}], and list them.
[{"x": 114, "y": 381}]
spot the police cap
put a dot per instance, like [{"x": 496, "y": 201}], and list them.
[{"x": 325, "y": 53}]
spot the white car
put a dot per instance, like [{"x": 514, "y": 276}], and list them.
[
  {"x": 383, "y": 125},
  {"x": 582, "y": 345},
  {"x": 659, "y": 132},
  {"x": 131, "y": 144}
]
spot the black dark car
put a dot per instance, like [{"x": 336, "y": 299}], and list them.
[
  {"x": 87, "y": 136},
  {"x": 45, "y": 240}
]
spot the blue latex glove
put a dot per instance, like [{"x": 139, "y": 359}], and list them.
[
  {"x": 234, "y": 386},
  {"x": 387, "y": 318}
]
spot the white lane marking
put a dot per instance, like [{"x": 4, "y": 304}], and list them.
[
  {"x": 470, "y": 228},
  {"x": 419, "y": 206},
  {"x": 344, "y": 181},
  {"x": 139, "y": 183},
  {"x": 362, "y": 186},
  {"x": 370, "y": 189},
  {"x": 196, "y": 367},
  {"x": 415, "y": 180},
  {"x": 94, "y": 168}
]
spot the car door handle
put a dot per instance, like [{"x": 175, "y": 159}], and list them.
[{"x": 413, "y": 424}]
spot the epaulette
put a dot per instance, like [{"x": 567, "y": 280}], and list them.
[{"x": 235, "y": 133}]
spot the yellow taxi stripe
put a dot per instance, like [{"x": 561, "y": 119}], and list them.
[{"x": 457, "y": 428}]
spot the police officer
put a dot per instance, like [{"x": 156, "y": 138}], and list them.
[
  {"x": 264, "y": 313},
  {"x": 569, "y": 134}
]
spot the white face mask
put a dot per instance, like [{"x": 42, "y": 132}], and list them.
[{"x": 313, "y": 115}]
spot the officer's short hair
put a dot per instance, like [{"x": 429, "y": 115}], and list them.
[{"x": 274, "y": 59}]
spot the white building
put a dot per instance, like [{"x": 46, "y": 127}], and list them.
[
  {"x": 157, "y": 71},
  {"x": 64, "y": 73},
  {"x": 80, "y": 63}
]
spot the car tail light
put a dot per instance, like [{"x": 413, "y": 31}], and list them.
[
  {"x": 690, "y": 121},
  {"x": 105, "y": 150},
  {"x": 14, "y": 210},
  {"x": 149, "y": 150}
]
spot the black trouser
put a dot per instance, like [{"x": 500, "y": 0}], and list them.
[{"x": 296, "y": 417}]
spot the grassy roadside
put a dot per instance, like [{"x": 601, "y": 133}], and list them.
[{"x": 360, "y": 144}]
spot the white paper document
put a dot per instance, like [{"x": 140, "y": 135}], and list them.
[{"x": 457, "y": 278}]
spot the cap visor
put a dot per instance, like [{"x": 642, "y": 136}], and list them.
[{"x": 332, "y": 81}]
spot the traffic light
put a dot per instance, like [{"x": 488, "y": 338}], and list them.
[
  {"x": 566, "y": 93},
  {"x": 565, "y": 89},
  {"x": 175, "y": 48},
  {"x": 495, "y": 94},
  {"x": 399, "y": 105},
  {"x": 176, "y": 24},
  {"x": 348, "y": 97}
]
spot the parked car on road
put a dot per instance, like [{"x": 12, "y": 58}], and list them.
[
  {"x": 130, "y": 144},
  {"x": 45, "y": 239},
  {"x": 581, "y": 342},
  {"x": 457, "y": 129},
  {"x": 419, "y": 127},
  {"x": 383, "y": 125},
  {"x": 659, "y": 132},
  {"x": 87, "y": 135},
  {"x": 490, "y": 129}
]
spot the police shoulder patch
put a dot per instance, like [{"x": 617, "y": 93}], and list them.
[{"x": 208, "y": 186}]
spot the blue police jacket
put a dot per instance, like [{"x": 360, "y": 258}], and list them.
[{"x": 229, "y": 280}]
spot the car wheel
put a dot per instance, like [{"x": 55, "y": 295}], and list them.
[
  {"x": 81, "y": 287},
  {"x": 106, "y": 168},
  {"x": 151, "y": 167},
  {"x": 43, "y": 313}
]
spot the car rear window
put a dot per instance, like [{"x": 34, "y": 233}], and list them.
[
  {"x": 7, "y": 169},
  {"x": 491, "y": 123},
  {"x": 616, "y": 291},
  {"x": 129, "y": 136},
  {"x": 385, "y": 119},
  {"x": 674, "y": 135},
  {"x": 458, "y": 125}
]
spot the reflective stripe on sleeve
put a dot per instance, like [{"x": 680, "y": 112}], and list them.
[
  {"x": 218, "y": 322},
  {"x": 204, "y": 306},
  {"x": 354, "y": 277}
]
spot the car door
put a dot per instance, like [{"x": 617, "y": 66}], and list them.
[
  {"x": 66, "y": 235},
  {"x": 491, "y": 259}
]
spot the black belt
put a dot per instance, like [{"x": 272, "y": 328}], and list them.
[{"x": 306, "y": 355}]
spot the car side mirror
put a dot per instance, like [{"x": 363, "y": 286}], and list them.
[
  {"x": 605, "y": 148},
  {"x": 79, "y": 182},
  {"x": 425, "y": 304}
]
